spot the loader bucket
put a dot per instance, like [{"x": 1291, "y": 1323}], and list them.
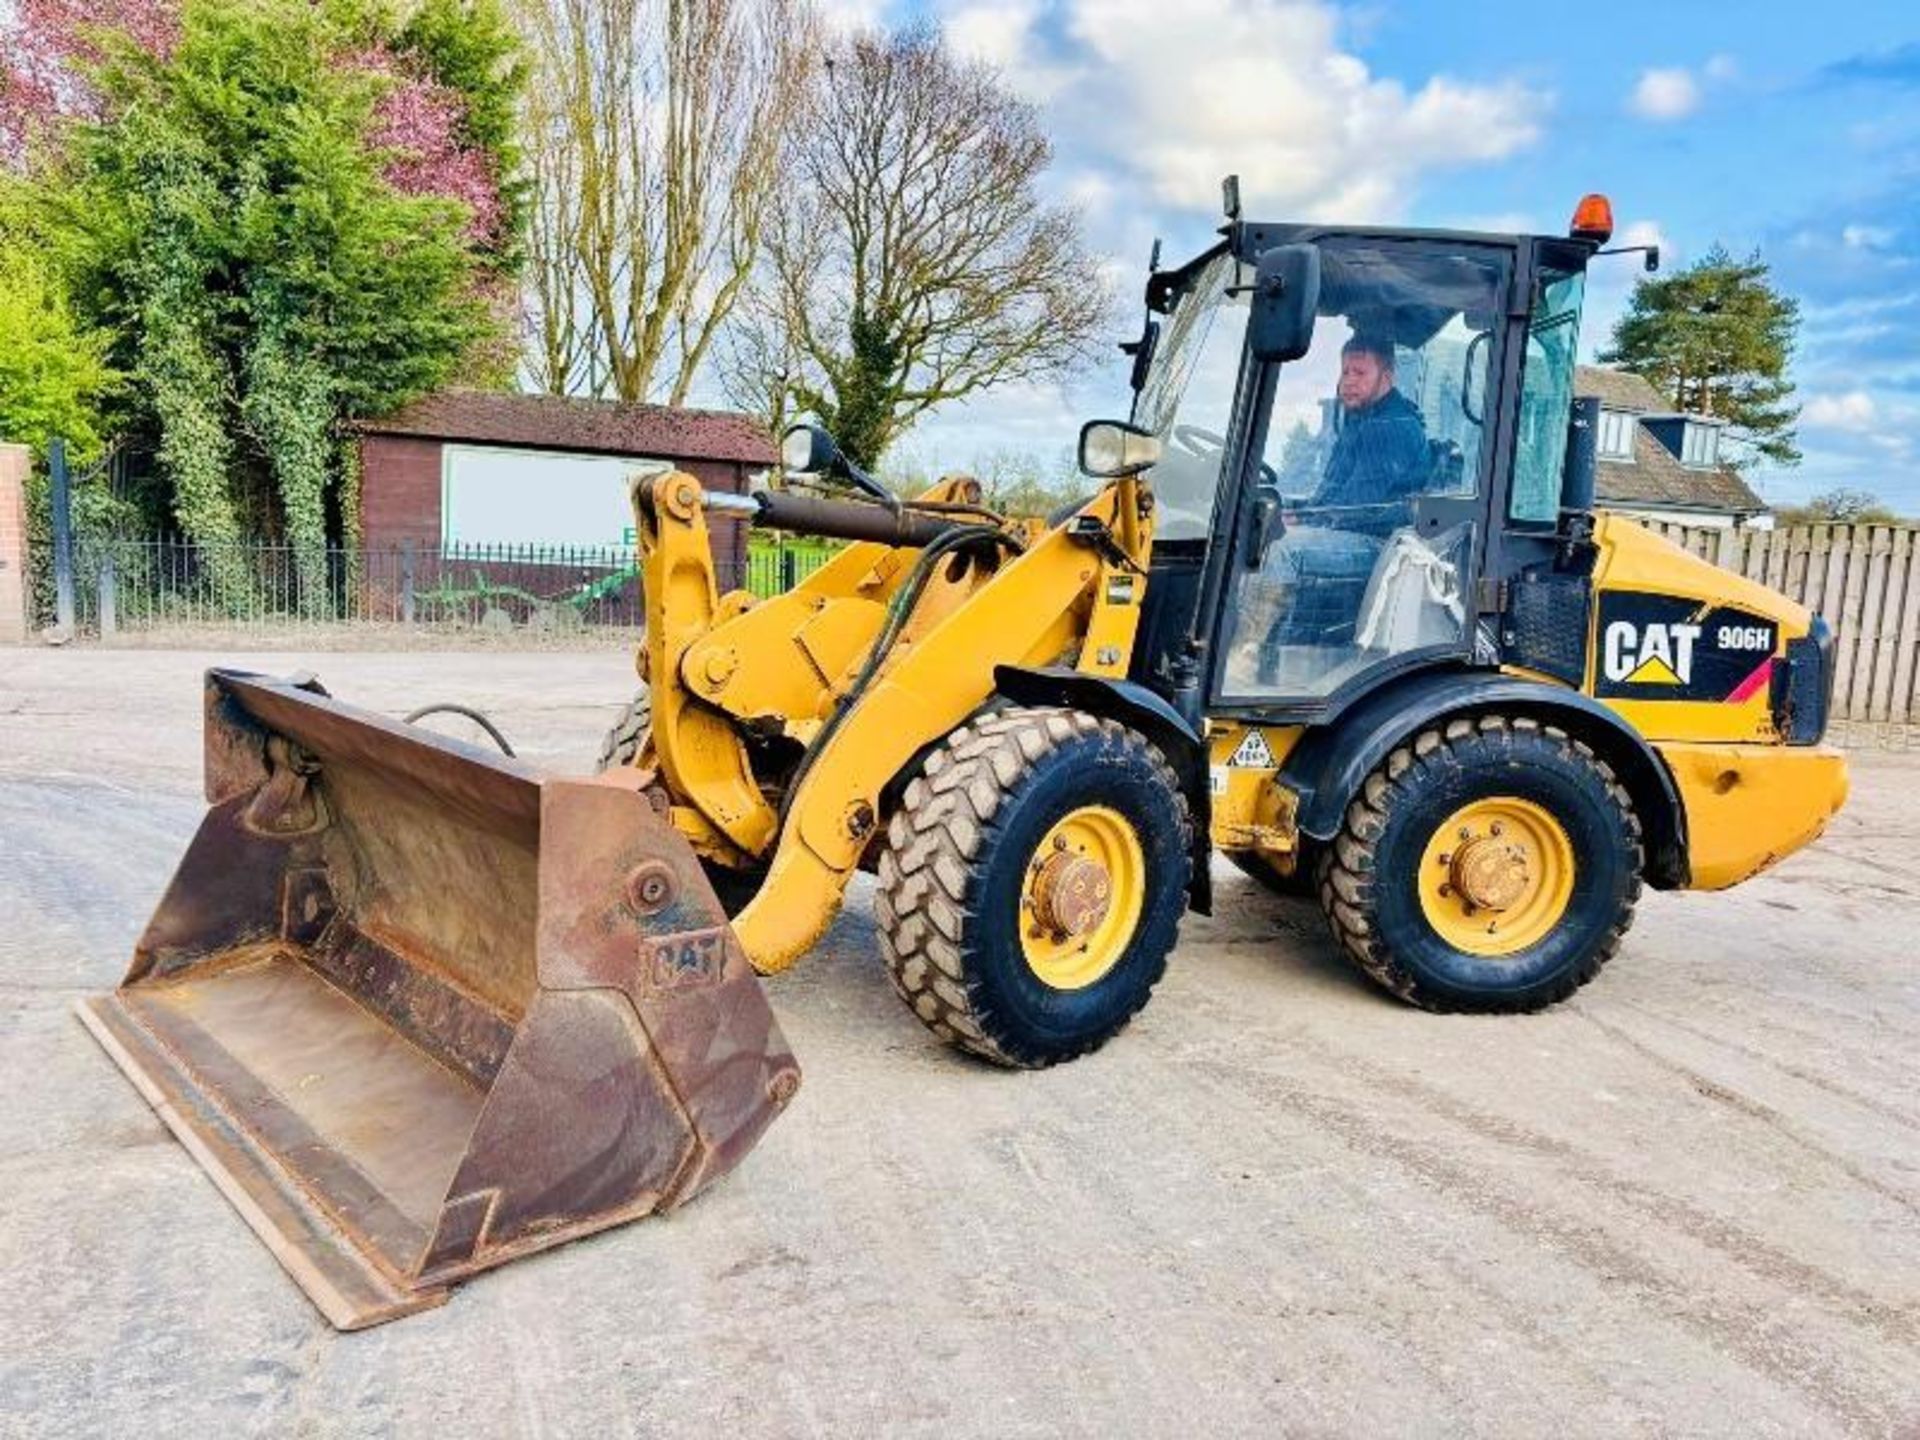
[{"x": 420, "y": 1011}]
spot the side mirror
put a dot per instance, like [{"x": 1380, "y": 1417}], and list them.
[
  {"x": 808, "y": 450},
  {"x": 1110, "y": 449},
  {"x": 1286, "y": 297}
]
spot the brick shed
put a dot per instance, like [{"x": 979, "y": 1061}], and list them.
[{"x": 479, "y": 468}]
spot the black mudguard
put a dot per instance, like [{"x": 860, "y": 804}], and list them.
[{"x": 1325, "y": 769}]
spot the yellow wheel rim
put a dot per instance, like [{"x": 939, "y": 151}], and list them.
[
  {"x": 1081, "y": 898},
  {"x": 1497, "y": 876}
]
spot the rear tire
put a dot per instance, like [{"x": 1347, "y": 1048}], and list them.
[
  {"x": 975, "y": 841},
  {"x": 1394, "y": 893}
]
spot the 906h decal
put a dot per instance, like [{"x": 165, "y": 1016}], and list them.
[{"x": 1665, "y": 647}]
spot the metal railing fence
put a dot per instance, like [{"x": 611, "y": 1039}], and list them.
[{"x": 133, "y": 585}]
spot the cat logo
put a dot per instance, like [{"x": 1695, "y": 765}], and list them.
[
  {"x": 1670, "y": 647},
  {"x": 1648, "y": 654}
]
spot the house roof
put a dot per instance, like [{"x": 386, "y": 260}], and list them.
[
  {"x": 1619, "y": 390},
  {"x": 601, "y": 427},
  {"x": 1656, "y": 479}
]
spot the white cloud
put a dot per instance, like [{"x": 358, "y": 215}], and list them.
[
  {"x": 993, "y": 30},
  {"x": 1179, "y": 96},
  {"x": 1001, "y": 32},
  {"x": 1722, "y": 68},
  {"x": 843, "y": 16},
  {"x": 1853, "y": 411},
  {"x": 1671, "y": 94},
  {"x": 1866, "y": 237},
  {"x": 1499, "y": 222},
  {"x": 1150, "y": 103}
]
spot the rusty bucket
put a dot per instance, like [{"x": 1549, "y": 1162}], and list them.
[{"x": 420, "y": 1010}]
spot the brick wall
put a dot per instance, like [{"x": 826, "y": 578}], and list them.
[
  {"x": 399, "y": 490},
  {"x": 15, "y": 460}
]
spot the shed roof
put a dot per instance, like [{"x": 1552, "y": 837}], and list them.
[{"x": 561, "y": 422}]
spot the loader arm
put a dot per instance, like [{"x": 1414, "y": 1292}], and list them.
[{"x": 1071, "y": 596}]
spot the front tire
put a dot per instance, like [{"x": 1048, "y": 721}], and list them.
[
  {"x": 1491, "y": 865},
  {"x": 628, "y": 734},
  {"x": 1032, "y": 883}
]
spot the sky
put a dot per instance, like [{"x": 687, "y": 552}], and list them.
[{"x": 1786, "y": 127}]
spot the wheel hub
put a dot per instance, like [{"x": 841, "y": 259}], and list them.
[
  {"x": 1491, "y": 874},
  {"x": 1497, "y": 876},
  {"x": 1072, "y": 893},
  {"x": 1082, "y": 897}
]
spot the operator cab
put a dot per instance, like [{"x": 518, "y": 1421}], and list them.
[{"x": 1326, "y": 503}]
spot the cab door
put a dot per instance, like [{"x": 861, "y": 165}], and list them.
[{"x": 1365, "y": 503}]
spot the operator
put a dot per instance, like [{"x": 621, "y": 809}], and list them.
[
  {"x": 1380, "y": 457},
  {"x": 1316, "y": 572}
]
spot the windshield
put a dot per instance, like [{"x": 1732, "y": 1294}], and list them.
[{"x": 1188, "y": 396}]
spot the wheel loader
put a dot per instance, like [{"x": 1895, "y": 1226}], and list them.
[{"x": 1337, "y": 604}]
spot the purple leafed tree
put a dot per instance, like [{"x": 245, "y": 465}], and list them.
[
  {"x": 417, "y": 124},
  {"x": 46, "y": 47}
]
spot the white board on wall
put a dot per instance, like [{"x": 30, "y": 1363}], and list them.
[{"x": 491, "y": 496}]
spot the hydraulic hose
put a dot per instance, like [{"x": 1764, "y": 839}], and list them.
[{"x": 448, "y": 708}]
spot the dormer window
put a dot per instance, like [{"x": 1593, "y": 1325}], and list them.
[
  {"x": 1700, "y": 446},
  {"x": 1615, "y": 441}
]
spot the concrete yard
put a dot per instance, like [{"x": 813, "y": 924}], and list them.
[{"x": 1685, "y": 1203}]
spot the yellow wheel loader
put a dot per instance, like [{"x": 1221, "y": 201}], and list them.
[{"x": 1337, "y": 605}]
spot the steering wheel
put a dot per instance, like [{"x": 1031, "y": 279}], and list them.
[{"x": 1206, "y": 445}]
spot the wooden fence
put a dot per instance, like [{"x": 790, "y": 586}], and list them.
[{"x": 1864, "y": 578}]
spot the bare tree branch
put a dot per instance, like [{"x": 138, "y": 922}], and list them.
[
  {"x": 655, "y": 135},
  {"x": 916, "y": 263}
]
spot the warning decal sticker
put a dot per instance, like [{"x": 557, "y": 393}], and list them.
[
  {"x": 1665, "y": 647},
  {"x": 1252, "y": 753}
]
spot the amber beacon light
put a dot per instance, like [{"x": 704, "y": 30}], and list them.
[{"x": 1593, "y": 220}]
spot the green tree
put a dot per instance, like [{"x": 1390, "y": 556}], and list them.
[
  {"x": 1301, "y": 459},
  {"x": 473, "y": 49},
  {"x": 1017, "y": 482},
  {"x": 54, "y": 377},
  {"x": 228, "y": 222},
  {"x": 1840, "y": 506},
  {"x": 1716, "y": 339}
]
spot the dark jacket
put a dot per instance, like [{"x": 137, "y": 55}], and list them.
[{"x": 1379, "y": 460}]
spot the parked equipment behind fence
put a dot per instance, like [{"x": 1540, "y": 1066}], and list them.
[{"x": 123, "y": 586}]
